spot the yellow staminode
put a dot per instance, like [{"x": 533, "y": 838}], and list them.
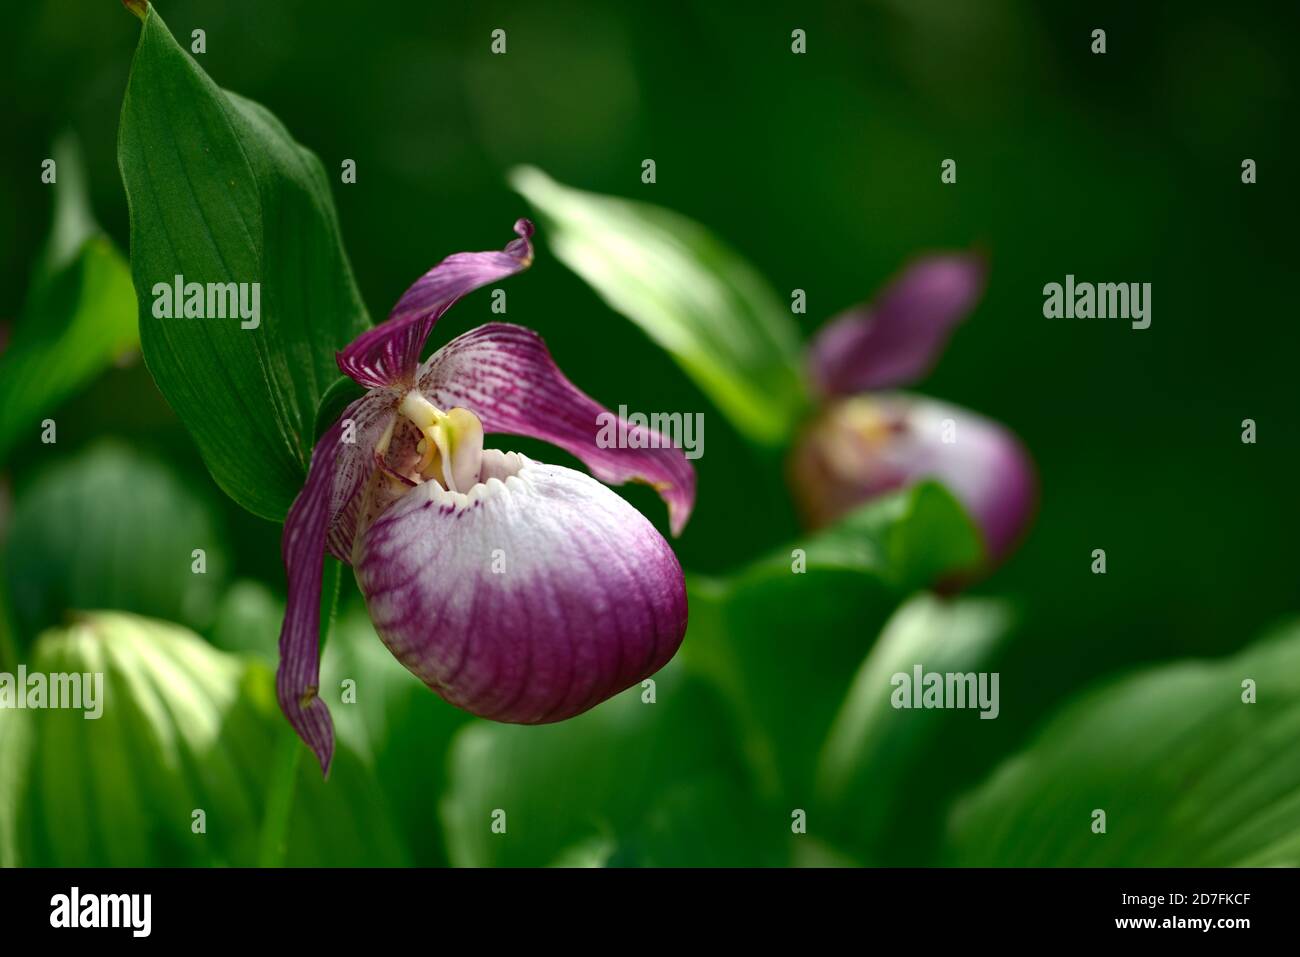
[{"x": 452, "y": 447}]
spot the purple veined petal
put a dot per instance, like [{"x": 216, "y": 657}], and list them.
[
  {"x": 390, "y": 352},
  {"x": 531, "y": 599},
  {"x": 867, "y": 445},
  {"x": 898, "y": 338},
  {"x": 326, "y": 508},
  {"x": 505, "y": 375}
]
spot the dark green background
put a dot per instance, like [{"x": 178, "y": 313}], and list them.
[{"x": 823, "y": 169}]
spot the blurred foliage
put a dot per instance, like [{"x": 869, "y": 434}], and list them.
[
  {"x": 784, "y": 635},
  {"x": 79, "y": 314},
  {"x": 110, "y": 527},
  {"x": 1193, "y": 765},
  {"x": 637, "y": 775},
  {"x": 823, "y": 169},
  {"x": 885, "y": 776}
]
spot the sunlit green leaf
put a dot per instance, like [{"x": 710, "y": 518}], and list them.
[{"x": 686, "y": 290}]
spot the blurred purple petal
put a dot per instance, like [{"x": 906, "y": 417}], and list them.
[
  {"x": 865, "y": 446},
  {"x": 898, "y": 338},
  {"x": 340, "y": 468},
  {"x": 390, "y": 352},
  {"x": 505, "y": 375},
  {"x": 530, "y": 599}
]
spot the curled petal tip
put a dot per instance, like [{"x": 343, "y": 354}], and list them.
[{"x": 390, "y": 352}]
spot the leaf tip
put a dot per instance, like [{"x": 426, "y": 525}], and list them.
[{"x": 139, "y": 7}]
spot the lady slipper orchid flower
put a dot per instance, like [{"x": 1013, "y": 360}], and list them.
[
  {"x": 518, "y": 591},
  {"x": 865, "y": 442}
]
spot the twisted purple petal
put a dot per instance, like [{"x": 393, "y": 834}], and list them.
[
  {"x": 898, "y": 338},
  {"x": 868, "y": 445},
  {"x": 326, "y": 507},
  {"x": 530, "y": 599},
  {"x": 505, "y": 375},
  {"x": 390, "y": 352}
]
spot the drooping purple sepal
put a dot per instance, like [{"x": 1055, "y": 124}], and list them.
[
  {"x": 390, "y": 352},
  {"x": 505, "y": 375},
  {"x": 341, "y": 465}
]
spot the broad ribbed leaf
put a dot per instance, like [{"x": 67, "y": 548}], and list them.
[
  {"x": 1187, "y": 772},
  {"x": 79, "y": 314},
  {"x": 690, "y": 293},
  {"x": 219, "y": 192}
]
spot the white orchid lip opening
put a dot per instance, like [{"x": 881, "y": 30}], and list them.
[{"x": 519, "y": 591}]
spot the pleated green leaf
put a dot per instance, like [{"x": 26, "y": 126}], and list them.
[{"x": 179, "y": 767}]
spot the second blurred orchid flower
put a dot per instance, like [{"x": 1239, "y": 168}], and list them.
[{"x": 864, "y": 441}]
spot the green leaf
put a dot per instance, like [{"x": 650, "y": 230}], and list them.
[
  {"x": 219, "y": 192},
  {"x": 906, "y": 539},
  {"x": 15, "y": 753},
  {"x": 585, "y": 790},
  {"x": 686, "y": 290},
  {"x": 111, "y": 528},
  {"x": 773, "y": 636},
  {"x": 1187, "y": 773},
  {"x": 885, "y": 773},
  {"x": 182, "y": 728},
  {"x": 79, "y": 315}
]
